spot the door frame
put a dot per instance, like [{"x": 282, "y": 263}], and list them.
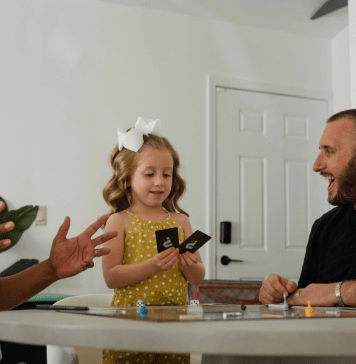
[{"x": 212, "y": 83}]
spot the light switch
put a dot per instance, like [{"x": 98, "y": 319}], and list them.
[{"x": 41, "y": 218}]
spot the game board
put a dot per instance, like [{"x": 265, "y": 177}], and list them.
[{"x": 216, "y": 312}]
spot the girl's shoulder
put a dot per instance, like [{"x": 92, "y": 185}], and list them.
[
  {"x": 181, "y": 219},
  {"x": 121, "y": 218}
]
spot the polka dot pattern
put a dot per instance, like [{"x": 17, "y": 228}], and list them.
[
  {"x": 118, "y": 357},
  {"x": 139, "y": 246}
]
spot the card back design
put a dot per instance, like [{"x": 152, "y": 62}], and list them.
[
  {"x": 167, "y": 238},
  {"x": 194, "y": 242}
]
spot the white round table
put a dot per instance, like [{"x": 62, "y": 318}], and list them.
[{"x": 265, "y": 341}]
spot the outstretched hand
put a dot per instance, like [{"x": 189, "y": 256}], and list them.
[{"x": 72, "y": 256}]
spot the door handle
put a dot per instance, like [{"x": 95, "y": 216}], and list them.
[{"x": 225, "y": 260}]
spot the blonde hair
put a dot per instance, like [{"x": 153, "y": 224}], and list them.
[{"x": 117, "y": 192}]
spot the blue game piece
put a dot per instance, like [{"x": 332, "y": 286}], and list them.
[{"x": 143, "y": 310}]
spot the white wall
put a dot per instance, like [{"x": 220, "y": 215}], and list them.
[
  {"x": 352, "y": 32},
  {"x": 340, "y": 50},
  {"x": 72, "y": 71}
]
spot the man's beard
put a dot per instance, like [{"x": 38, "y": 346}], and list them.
[{"x": 346, "y": 193}]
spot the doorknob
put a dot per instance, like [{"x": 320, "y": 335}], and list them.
[{"x": 225, "y": 260}]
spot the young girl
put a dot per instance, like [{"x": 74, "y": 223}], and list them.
[{"x": 143, "y": 195}]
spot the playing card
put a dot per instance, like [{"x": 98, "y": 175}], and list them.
[
  {"x": 167, "y": 238},
  {"x": 194, "y": 242}
]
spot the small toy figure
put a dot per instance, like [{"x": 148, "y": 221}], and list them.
[
  {"x": 309, "y": 310},
  {"x": 143, "y": 310},
  {"x": 281, "y": 306}
]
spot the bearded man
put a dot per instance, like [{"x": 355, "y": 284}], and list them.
[{"x": 328, "y": 276}]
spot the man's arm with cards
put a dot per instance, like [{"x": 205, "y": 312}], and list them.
[{"x": 169, "y": 237}]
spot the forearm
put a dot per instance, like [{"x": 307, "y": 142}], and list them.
[
  {"x": 327, "y": 296},
  {"x": 323, "y": 294},
  {"x": 123, "y": 275},
  {"x": 194, "y": 274},
  {"x": 18, "y": 288},
  {"x": 348, "y": 294}
]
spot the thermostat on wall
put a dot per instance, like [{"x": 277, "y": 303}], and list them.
[{"x": 41, "y": 218}]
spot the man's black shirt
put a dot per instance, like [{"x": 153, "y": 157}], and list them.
[{"x": 331, "y": 251}]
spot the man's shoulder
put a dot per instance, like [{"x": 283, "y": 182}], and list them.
[{"x": 338, "y": 212}]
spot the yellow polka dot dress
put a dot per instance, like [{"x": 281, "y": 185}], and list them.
[{"x": 163, "y": 288}]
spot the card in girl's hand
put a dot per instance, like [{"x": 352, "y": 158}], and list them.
[
  {"x": 194, "y": 242},
  {"x": 167, "y": 238}
]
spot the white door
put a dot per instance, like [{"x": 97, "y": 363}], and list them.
[{"x": 266, "y": 188}]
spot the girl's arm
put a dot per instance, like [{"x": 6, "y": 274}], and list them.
[
  {"x": 117, "y": 274},
  {"x": 190, "y": 264}
]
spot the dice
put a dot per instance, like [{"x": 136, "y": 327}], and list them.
[
  {"x": 194, "y": 302},
  {"x": 140, "y": 304}
]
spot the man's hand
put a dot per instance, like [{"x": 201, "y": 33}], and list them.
[
  {"x": 72, "y": 256},
  {"x": 318, "y": 294},
  {"x": 4, "y": 228},
  {"x": 274, "y": 287}
]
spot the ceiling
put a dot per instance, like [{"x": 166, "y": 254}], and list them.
[{"x": 292, "y": 16}]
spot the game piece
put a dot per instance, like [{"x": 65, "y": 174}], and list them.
[
  {"x": 194, "y": 302},
  {"x": 227, "y": 315},
  {"x": 333, "y": 313},
  {"x": 282, "y": 306},
  {"x": 143, "y": 310},
  {"x": 309, "y": 310},
  {"x": 139, "y": 304},
  {"x": 194, "y": 242}
]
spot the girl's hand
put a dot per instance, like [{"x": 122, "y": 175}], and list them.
[
  {"x": 165, "y": 260},
  {"x": 187, "y": 259}
]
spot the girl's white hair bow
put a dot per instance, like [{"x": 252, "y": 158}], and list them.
[{"x": 133, "y": 139}]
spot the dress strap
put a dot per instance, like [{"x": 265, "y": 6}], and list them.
[
  {"x": 133, "y": 215},
  {"x": 130, "y": 213}
]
